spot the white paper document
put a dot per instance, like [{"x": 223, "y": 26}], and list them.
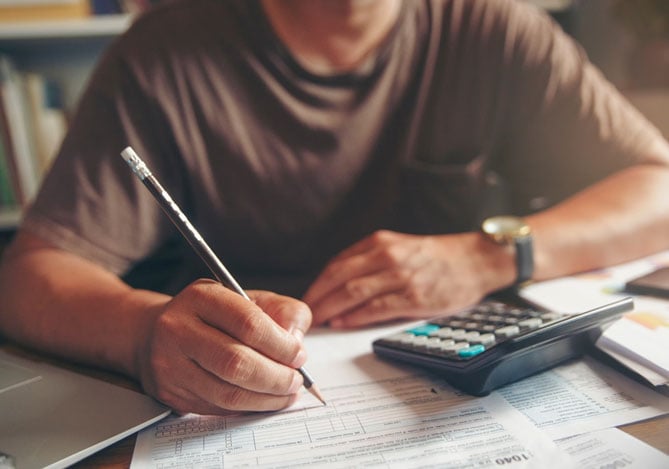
[
  {"x": 613, "y": 448},
  {"x": 583, "y": 396},
  {"x": 401, "y": 422}
]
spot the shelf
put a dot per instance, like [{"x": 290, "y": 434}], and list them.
[
  {"x": 95, "y": 26},
  {"x": 9, "y": 219},
  {"x": 39, "y": 37},
  {"x": 65, "y": 51}
]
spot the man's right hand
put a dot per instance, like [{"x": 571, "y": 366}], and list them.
[{"x": 211, "y": 351}]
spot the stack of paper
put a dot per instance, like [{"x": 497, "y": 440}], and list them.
[{"x": 639, "y": 339}]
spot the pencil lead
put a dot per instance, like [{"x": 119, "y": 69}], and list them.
[{"x": 313, "y": 389}]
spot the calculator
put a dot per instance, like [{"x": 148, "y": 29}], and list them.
[{"x": 498, "y": 341}]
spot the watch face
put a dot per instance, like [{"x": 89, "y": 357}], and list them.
[{"x": 504, "y": 229}]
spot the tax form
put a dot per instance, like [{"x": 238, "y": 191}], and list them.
[
  {"x": 400, "y": 422},
  {"x": 613, "y": 448},
  {"x": 583, "y": 396}
]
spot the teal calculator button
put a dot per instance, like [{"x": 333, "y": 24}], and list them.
[
  {"x": 424, "y": 329},
  {"x": 472, "y": 351}
]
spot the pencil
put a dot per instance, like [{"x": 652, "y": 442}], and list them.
[{"x": 196, "y": 241}]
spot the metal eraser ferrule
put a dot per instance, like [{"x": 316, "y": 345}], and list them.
[{"x": 136, "y": 163}]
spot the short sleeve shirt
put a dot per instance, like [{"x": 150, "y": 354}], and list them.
[{"x": 466, "y": 108}]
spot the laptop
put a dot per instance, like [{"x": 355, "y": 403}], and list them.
[{"x": 52, "y": 417}]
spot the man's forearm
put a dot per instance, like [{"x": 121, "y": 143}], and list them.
[
  {"x": 623, "y": 217},
  {"x": 60, "y": 303}
]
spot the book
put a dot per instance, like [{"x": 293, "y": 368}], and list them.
[
  {"x": 16, "y": 131},
  {"x": 106, "y": 7},
  {"x": 47, "y": 119},
  {"x": 7, "y": 190},
  {"x": 32, "y": 10}
]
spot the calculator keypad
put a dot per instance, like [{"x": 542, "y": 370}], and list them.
[{"x": 471, "y": 332}]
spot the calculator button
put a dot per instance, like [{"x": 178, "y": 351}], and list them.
[
  {"x": 550, "y": 316},
  {"x": 471, "y": 351},
  {"x": 418, "y": 341},
  {"x": 453, "y": 349},
  {"x": 484, "y": 339},
  {"x": 506, "y": 332},
  {"x": 424, "y": 329},
  {"x": 445, "y": 342},
  {"x": 444, "y": 333},
  {"x": 531, "y": 323},
  {"x": 409, "y": 341},
  {"x": 473, "y": 326},
  {"x": 498, "y": 307},
  {"x": 517, "y": 312},
  {"x": 469, "y": 336},
  {"x": 459, "y": 334},
  {"x": 432, "y": 343},
  {"x": 401, "y": 338}
]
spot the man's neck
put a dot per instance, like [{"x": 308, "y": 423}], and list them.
[{"x": 332, "y": 36}]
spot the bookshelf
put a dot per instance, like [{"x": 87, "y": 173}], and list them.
[{"x": 62, "y": 51}]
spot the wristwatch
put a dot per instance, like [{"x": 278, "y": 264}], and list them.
[{"x": 513, "y": 231}]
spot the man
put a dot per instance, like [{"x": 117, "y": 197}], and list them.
[{"x": 362, "y": 139}]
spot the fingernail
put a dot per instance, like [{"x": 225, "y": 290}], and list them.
[{"x": 297, "y": 333}]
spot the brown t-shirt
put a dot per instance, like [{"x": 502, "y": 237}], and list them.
[{"x": 280, "y": 168}]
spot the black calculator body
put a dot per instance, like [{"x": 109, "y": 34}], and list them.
[{"x": 497, "y": 342}]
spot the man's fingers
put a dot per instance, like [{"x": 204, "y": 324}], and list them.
[
  {"x": 367, "y": 244},
  {"x": 337, "y": 273},
  {"x": 378, "y": 252},
  {"x": 358, "y": 292},
  {"x": 247, "y": 322},
  {"x": 381, "y": 309},
  {"x": 201, "y": 392},
  {"x": 233, "y": 362},
  {"x": 220, "y": 397},
  {"x": 291, "y": 314}
]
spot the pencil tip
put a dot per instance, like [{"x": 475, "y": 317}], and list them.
[{"x": 313, "y": 389}]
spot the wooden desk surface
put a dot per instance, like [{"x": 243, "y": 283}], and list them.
[{"x": 654, "y": 432}]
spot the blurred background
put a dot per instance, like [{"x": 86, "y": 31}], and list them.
[{"x": 629, "y": 41}]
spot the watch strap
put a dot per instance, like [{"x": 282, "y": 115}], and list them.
[{"x": 524, "y": 259}]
